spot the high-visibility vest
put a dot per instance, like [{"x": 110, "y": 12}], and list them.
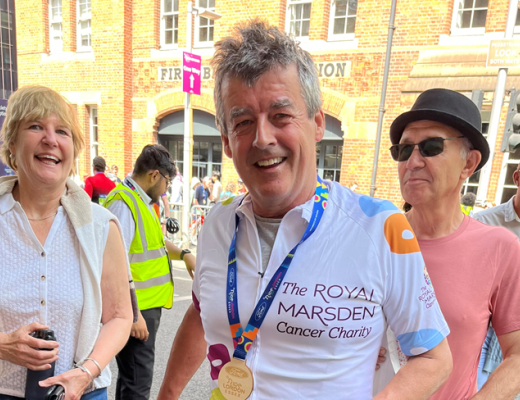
[
  {"x": 149, "y": 262},
  {"x": 466, "y": 209}
]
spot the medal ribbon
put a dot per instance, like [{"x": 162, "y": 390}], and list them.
[{"x": 243, "y": 339}]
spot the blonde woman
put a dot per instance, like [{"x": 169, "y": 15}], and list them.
[{"x": 62, "y": 260}]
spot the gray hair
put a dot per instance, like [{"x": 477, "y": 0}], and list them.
[
  {"x": 255, "y": 49},
  {"x": 468, "y": 199},
  {"x": 466, "y": 147}
]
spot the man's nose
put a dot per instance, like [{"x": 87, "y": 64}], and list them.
[
  {"x": 416, "y": 160},
  {"x": 265, "y": 134}
]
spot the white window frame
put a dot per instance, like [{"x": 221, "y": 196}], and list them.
[
  {"x": 79, "y": 31},
  {"x": 288, "y": 16},
  {"x": 198, "y": 42},
  {"x": 343, "y": 36},
  {"x": 55, "y": 46},
  {"x": 455, "y": 31},
  {"x": 320, "y": 166},
  {"x": 503, "y": 176},
  {"x": 466, "y": 183},
  {"x": 94, "y": 145},
  {"x": 164, "y": 15}
]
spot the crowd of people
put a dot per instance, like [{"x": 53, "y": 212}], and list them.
[{"x": 379, "y": 303}]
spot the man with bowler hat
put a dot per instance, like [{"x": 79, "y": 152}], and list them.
[{"x": 473, "y": 267}]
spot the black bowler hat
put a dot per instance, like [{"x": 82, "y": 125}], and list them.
[{"x": 449, "y": 108}]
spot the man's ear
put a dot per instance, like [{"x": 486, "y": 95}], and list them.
[
  {"x": 225, "y": 142},
  {"x": 153, "y": 176},
  {"x": 319, "y": 119},
  {"x": 472, "y": 162},
  {"x": 516, "y": 178}
]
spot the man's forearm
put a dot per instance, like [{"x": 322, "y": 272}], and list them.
[
  {"x": 421, "y": 377},
  {"x": 188, "y": 352},
  {"x": 504, "y": 383}
]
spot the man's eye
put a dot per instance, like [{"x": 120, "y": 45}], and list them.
[
  {"x": 243, "y": 123},
  {"x": 281, "y": 116}
]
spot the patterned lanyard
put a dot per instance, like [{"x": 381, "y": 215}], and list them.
[
  {"x": 129, "y": 185},
  {"x": 243, "y": 339}
]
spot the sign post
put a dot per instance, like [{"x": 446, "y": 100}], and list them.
[{"x": 191, "y": 78}]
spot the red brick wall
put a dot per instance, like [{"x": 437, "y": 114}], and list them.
[{"x": 126, "y": 56}]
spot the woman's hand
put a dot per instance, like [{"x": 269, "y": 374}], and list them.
[
  {"x": 74, "y": 381},
  {"x": 20, "y": 348}
]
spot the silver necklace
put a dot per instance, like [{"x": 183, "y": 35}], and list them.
[{"x": 41, "y": 219}]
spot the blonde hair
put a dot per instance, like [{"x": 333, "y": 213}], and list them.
[{"x": 34, "y": 103}]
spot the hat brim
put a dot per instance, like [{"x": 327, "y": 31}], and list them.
[{"x": 476, "y": 138}]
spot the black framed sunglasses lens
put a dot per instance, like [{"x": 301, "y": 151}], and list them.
[{"x": 428, "y": 148}]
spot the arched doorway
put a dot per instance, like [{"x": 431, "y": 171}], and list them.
[{"x": 207, "y": 145}]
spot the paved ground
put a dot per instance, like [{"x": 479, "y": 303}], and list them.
[{"x": 198, "y": 388}]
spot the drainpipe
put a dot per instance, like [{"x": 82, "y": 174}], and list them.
[
  {"x": 391, "y": 28},
  {"x": 496, "y": 108}
]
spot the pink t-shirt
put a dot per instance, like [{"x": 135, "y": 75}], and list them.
[{"x": 476, "y": 275}]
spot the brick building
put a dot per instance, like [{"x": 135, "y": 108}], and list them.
[{"x": 119, "y": 62}]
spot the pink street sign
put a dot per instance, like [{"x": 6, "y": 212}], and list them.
[{"x": 191, "y": 66}]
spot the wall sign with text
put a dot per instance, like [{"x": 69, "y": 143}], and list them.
[{"x": 326, "y": 69}]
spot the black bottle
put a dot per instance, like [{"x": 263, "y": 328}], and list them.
[{"x": 33, "y": 391}]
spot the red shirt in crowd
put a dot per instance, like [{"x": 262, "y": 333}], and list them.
[{"x": 98, "y": 187}]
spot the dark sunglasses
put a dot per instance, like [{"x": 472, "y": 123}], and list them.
[{"x": 428, "y": 148}]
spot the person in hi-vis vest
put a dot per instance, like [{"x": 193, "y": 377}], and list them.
[{"x": 149, "y": 253}]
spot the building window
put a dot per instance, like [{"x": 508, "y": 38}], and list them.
[
  {"x": 328, "y": 159},
  {"x": 509, "y": 185},
  {"x": 84, "y": 25},
  {"x": 169, "y": 23},
  {"x": 343, "y": 19},
  {"x": 94, "y": 145},
  {"x": 469, "y": 16},
  {"x": 203, "y": 26},
  {"x": 299, "y": 18},
  {"x": 470, "y": 185},
  {"x": 207, "y": 154},
  {"x": 55, "y": 26},
  {"x": 8, "y": 64}
]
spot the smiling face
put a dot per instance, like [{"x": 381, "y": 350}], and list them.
[
  {"x": 426, "y": 180},
  {"x": 272, "y": 140},
  {"x": 44, "y": 151}
]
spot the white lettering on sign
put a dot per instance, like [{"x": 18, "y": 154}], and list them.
[
  {"x": 503, "y": 53},
  {"x": 188, "y": 58}
]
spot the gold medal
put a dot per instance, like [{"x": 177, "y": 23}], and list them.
[{"x": 235, "y": 380}]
